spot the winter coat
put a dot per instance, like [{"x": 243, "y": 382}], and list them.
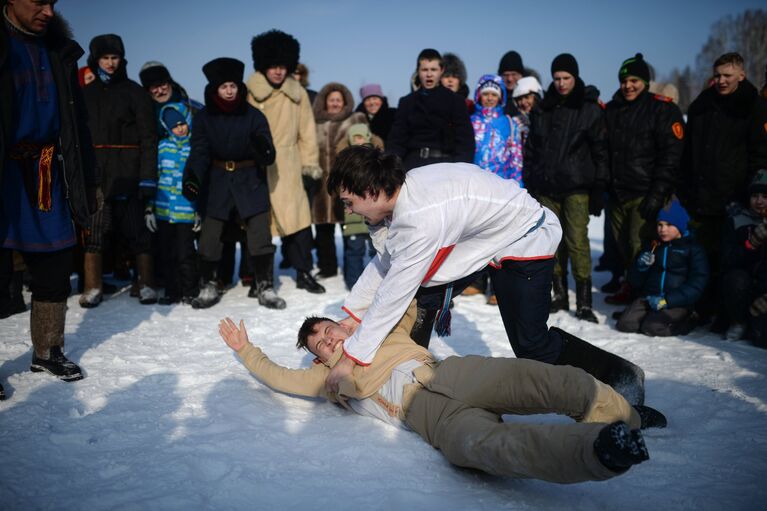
[
  {"x": 364, "y": 382},
  {"x": 227, "y": 137},
  {"x": 646, "y": 140},
  {"x": 737, "y": 251},
  {"x": 497, "y": 138},
  {"x": 124, "y": 132},
  {"x": 172, "y": 153},
  {"x": 679, "y": 273},
  {"x": 436, "y": 119},
  {"x": 331, "y": 130},
  {"x": 726, "y": 144},
  {"x": 74, "y": 145},
  {"x": 382, "y": 121},
  {"x": 289, "y": 113},
  {"x": 566, "y": 149}
]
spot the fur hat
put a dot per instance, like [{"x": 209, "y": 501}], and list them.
[
  {"x": 511, "y": 61},
  {"x": 675, "y": 214},
  {"x": 154, "y": 73},
  {"x": 222, "y": 70},
  {"x": 275, "y": 48},
  {"x": 565, "y": 62},
  {"x": 759, "y": 182},
  {"x": 107, "y": 44},
  {"x": 635, "y": 66},
  {"x": 527, "y": 85},
  {"x": 454, "y": 66}
]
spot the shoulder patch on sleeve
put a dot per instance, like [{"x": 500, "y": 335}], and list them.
[
  {"x": 678, "y": 130},
  {"x": 661, "y": 97}
]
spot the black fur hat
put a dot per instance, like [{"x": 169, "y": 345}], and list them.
[
  {"x": 154, "y": 73},
  {"x": 107, "y": 44},
  {"x": 454, "y": 66},
  {"x": 275, "y": 48},
  {"x": 222, "y": 70}
]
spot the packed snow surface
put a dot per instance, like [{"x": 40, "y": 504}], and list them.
[{"x": 168, "y": 418}]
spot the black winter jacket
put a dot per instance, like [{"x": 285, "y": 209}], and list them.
[
  {"x": 227, "y": 137},
  {"x": 726, "y": 144},
  {"x": 121, "y": 114},
  {"x": 566, "y": 149},
  {"x": 646, "y": 144},
  {"x": 381, "y": 122},
  {"x": 738, "y": 253},
  {"x": 680, "y": 272},
  {"x": 74, "y": 149},
  {"x": 436, "y": 119}
]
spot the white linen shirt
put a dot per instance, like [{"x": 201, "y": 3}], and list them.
[{"x": 450, "y": 220}]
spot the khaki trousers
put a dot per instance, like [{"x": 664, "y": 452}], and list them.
[{"x": 458, "y": 409}]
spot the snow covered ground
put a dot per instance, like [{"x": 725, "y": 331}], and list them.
[{"x": 168, "y": 418}]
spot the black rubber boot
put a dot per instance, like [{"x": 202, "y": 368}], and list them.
[
  {"x": 424, "y": 324},
  {"x": 625, "y": 377},
  {"x": 618, "y": 448},
  {"x": 560, "y": 301},
  {"x": 583, "y": 301}
]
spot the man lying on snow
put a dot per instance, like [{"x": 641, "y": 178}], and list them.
[{"x": 456, "y": 404}]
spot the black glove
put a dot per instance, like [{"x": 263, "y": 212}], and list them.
[
  {"x": 596, "y": 201},
  {"x": 649, "y": 207},
  {"x": 263, "y": 150},
  {"x": 190, "y": 189}
]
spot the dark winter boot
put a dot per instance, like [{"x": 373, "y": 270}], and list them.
[
  {"x": 613, "y": 285},
  {"x": 92, "y": 268},
  {"x": 618, "y": 447},
  {"x": 625, "y": 377},
  {"x": 145, "y": 267},
  {"x": 208, "y": 296},
  {"x": 650, "y": 417},
  {"x": 2, "y": 393},
  {"x": 583, "y": 301},
  {"x": 16, "y": 292},
  {"x": 305, "y": 281},
  {"x": 263, "y": 282},
  {"x": 560, "y": 301},
  {"x": 424, "y": 324},
  {"x": 624, "y": 296},
  {"x": 47, "y": 332}
]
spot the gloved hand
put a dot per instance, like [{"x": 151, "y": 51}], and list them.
[
  {"x": 190, "y": 189},
  {"x": 596, "y": 201},
  {"x": 645, "y": 260},
  {"x": 656, "y": 302},
  {"x": 149, "y": 219},
  {"x": 263, "y": 150},
  {"x": 197, "y": 227},
  {"x": 649, "y": 207},
  {"x": 759, "y": 306},
  {"x": 758, "y": 235},
  {"x": 314, "y": 172}
]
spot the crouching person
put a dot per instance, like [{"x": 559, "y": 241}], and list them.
[
  {"x": 459, "y": 413},
  {"x": 669, "y": 276}
]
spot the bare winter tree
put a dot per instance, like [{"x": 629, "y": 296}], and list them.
[{"x": 746, "y": 34}]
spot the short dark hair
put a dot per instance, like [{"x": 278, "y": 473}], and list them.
[
  {"x": 307, "y": 329},
  {"x": 365, "y": 170},
  {"x": 733, "y": 58},
  {"x": 428, "y": 54}
]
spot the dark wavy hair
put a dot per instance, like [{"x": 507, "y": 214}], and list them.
[
  {"x": 307, "y": 329},
  {"x": 363, "y": 170}
]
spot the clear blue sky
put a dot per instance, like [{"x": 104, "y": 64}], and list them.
[{"x": 358, "y": 41}]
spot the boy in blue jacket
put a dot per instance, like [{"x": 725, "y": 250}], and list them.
[{"x": 669, "y": 276}]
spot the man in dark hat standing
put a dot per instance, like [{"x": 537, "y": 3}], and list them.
[
  {"x": 163, "y": 89},
  {"x": 122, "y": 124},
  {"x": 285, "y": 103},
  {"x": 47, "y": 170},
  {"x": 566, "y": 169},
  {"x": 646, "y": 137},
  {"x": 511, "y": 69}
]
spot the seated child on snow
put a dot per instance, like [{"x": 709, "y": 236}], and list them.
[{"x": 669, "y": 275}]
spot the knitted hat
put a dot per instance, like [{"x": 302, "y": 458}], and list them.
[
  {"x": 107, "y": 44},
  {"x": 359, "y": 129},
  {"x": 635, "y": 66},
  {"x": 527, "y": 85},
  {"x": 490, "y": 86},
  {"x": 222, "y": 70},
  {"x": 758, "y": 183},
  {"x": 565, "y": 62},
  {"x": 511, "y": 61},
  {"x": 154, "y": 73},
  {"x": 172, "y": 118},
  {"x": 675, "y": 214},
  {"x": 453, "y": 66},
  {"x": 371, "y": 89},
  {"x": 275, "y": 48}
]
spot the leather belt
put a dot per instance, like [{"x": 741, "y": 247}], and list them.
[
  {"x": 430, "y": 152},
  {"x": 231, "y": 166},
  {"x": 116, "y": 146}
]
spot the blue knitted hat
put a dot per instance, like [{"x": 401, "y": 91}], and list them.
[
  {"x": 675, "y": 214},
  {"x": 172, "y": 118}
]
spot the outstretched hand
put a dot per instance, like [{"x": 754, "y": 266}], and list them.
[{"x": 233, "y": 336}]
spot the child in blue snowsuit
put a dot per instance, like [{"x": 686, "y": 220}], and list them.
[
  {"x": 669, "y": 275},
  {"x": 174, "y": 217}
]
